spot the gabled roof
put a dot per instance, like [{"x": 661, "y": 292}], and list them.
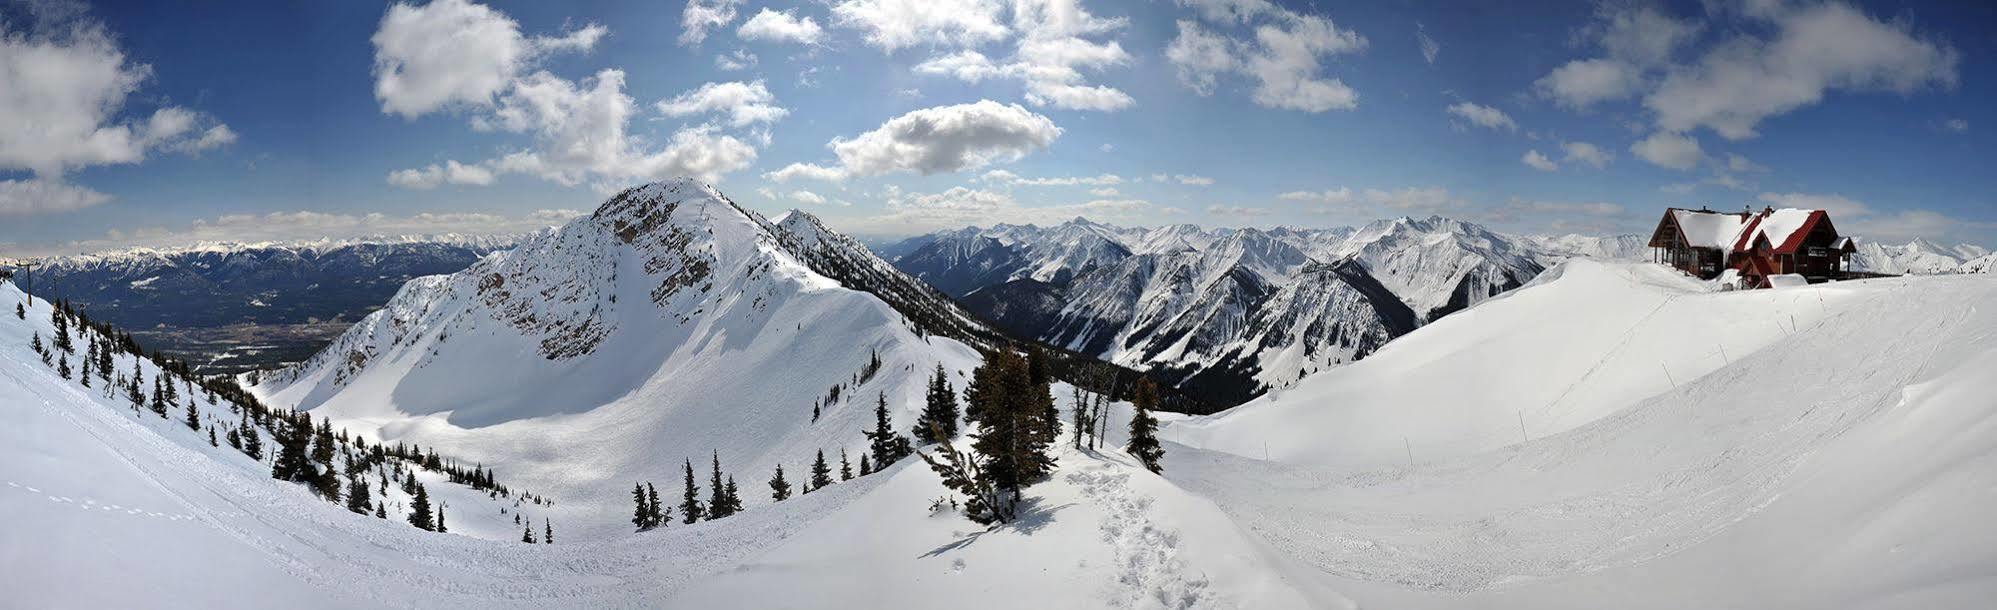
[
  {"x": 1784, "y": 229},
  {"x": 1703, "y": 228}
]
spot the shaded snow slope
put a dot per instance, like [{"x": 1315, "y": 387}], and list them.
[{"x": 1839, "y": 460}]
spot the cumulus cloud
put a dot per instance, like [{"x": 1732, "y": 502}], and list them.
[
  {"x": 806, "y": 197},
  {"x": 738, "y": 59},
  {"x": 1049, "y": 57},
  {"x": 744, "y": 103},
  {"x": 36, "y": 196},
  {"x": 1669, "y": 150},
  {"x": 785, "y": 26},
  {"x": 1583, "y": 152},
  {"x": 1634, "y": 39},
  {"x": 699, "y": 16},
  {"x": 1585, "y": 82},
  {"x": 1482, "y": 116},
  {"x": 66, "y": 84},
  {"x": 1539, "y": 161},
  {"x": 805, "y": 171},
  {"x": 1283, "y": 58},
  {"x": 450, "y": 52},
  {"x": 1816, "y": 50},
  {"x": 942, "y": 139},
  {"x": 450, "y": 172},
  {"x": 896, "y": 24}
]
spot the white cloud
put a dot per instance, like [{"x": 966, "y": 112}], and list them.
[
  {"x": 1583, "y": 83},
  {"x": 1236, "y": 211},
  {"x": 806, "y": 197},
  {"x": 65, "y": 84},
  {"x": 1669, "y": 150},
  {"x": 1956, "y": 125},
  {"x": 454, "y": 52},
  {"x": 450, "y": 172},
  {"x": 1006, "y": 177},
  {"x": 1193, "y": 180},
  {"x": 897, "y": 24},
  {"x": 1048, "y": 58},
  {"x": 946, "y": 139},
  {"x": 308, "y": 226},
  {"x": 806, "y": 171},
  {"x": 1583, "y": 152},
  {"x": 37, "y": 196},
  {"x": 1483, "y": 116},
  {"x": 1108, "y": 147},
  {"x": 1539, "y": 161},
  {"x": 1815, "y": 50},
  {"x": 1839, "y": 206},
  {"x": 1107, "y": 191},
  {"x": 739, "y": 59},
  {"x": 699, "y": 16},
  {"x": 1284, "y": 57},
  {"x": 1854, "y": 217},
  {"x": 1337, "y": 196},
  {"x": 1738, "y": 163},
  {"x": 773, "y": 26},
  {"x": 744, "y": 103},
  {"x": 1429, "y": 47}
]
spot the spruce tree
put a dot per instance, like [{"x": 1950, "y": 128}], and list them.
[
  {"x": 381, "y": 508},
  {"x": 62, "y": 366},
  {"x": 547, "y": 531},
  {"x": 440, "y": 519},
  {"x": 527, "y": 534},
  {"x": 1143, "y": 443},
  {"x": 820, "y": 474},
  {"x": 36, "y": 344},
  {"x": 866, "y": 468},
  {"x": 193, "y": 416},
  {"x": 292, "y": 463},
  {"x": 357, "y": 496},
  {"x": 661, "y": 514},
  {"x": 61, "y": 331},
  {"x": 717, "y": 499},
  {"x": 20, "y": 312},
  {"x": 419, "y": 510},
  {"x": 845, "y": 468},
  {"x": 779, "y": 488},
  {"x": 211, "y": 436},
  {"x": 1009, "y": 407},
  {"x": 733, "y": 496},
  {"x": 641, "y": 517},
  {"x": 690, "y": 508},
  {"x": 887, "y": 445},
  {"x": 252, "y": 442},
  {"x": 938, "y": 423}
]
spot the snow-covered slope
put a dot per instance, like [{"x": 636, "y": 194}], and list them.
[
  {"x": 667, "y": 325},
  {"x": 1616, "y": 436}
]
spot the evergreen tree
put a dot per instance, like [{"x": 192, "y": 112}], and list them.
[
  {"x": 690, "y": 508},
  {"x": 84, "y": 375},
  {"x": 779, "y": 488},
  {"x": 717, "y": 499},
  {"x": 938, "y": 423},
  {"x": 985, "y": 501},
  {"x": 292, "y": 463},
  {"x": 381, "y": 508},
  {"x": 661, "y": 514},
  {"x": 357, "y": 496},
  {"x": 641, "y": 517},
  {"x": 211, "y": 436},
  {"x": 62, "y": 366},
  {"x": 419, "y": 510},
  {"x": 20, "y": 312},
  {"x": 820, "y": 474},
  {"x": 440, "y": 518},
  {"x": 845, "y": 468},
  {"x": 159, "y": 396},
  {"x": 1014, "y": 431},
  {"x": 814, "y": 410},
  {"x": 193, "y": 416},
  {"x": 866, "y": 468},
  {"x": 1143, "y": 443},
  {"x": 547, "y": 531},
  {"x": 252, "y": 442},
  {"x": 527, "y": 534},
  {"x": 733, "y": 496},
  {"x": 61, "y": 331},
  {"x": 887, "y": 445}
]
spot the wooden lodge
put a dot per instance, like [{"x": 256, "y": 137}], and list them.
[{"x": 1754, "y": 246}]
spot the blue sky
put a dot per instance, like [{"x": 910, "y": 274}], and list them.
[{"x": 144, "y": 123}]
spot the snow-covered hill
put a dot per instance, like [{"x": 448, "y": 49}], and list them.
[
  {"x": 1614, "y": 435},
  {"x": 1229, "y": 313}
]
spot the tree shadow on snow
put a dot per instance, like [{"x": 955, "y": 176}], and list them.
[{"x": 1034, "y": 515}]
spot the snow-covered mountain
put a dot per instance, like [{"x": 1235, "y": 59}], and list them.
[
  {"x": 1229, "y": 313},
  {"x": 233, "y": 307},
  {"x": 1919, "y": 257},
  {"x": 669, "y": 324}
]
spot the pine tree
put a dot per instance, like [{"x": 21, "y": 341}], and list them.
[
  {"x": 1010, "y": 408},
  {"x": 381, "y": 508},
  {"x": 939, "y": 414},
  {"x": 36, "y": 344},
  {"x": 357, "y": 496},
  {"x": 661, "y": 515},
  {"x": 440, "y": 518},
  {"x": 779, "y": 488},
  {"x": 62, "y": 331},
  {"x": 527, "y": 534},
  {"x": 641, "y": 517},
  {"x": 62, "y": 366},
  {"x": 89, "y": 359},
  {"x": 252, "y": 442},
  {"x": 547, "y": 531},
  {"x": 419, "y": 510},
  {"x": 866, "y": 468},
  {"x": 887, "y": 445},
  {"x": 690, "y": 508},
  {"x": 821, "y": 475},
  {"x": 193, "y": 416},
  {"x": 211, "y": 436},
  {"x": 733, "y": 496},
  {"x": 292, "y": 462},
  {"x": 1143, "y": 443},
  {"x": 20, "y": 312},
  {"x": 814, "y": 410},
  {"x": 845, "y": 468},
  {"x": 717, "y": 499},
  {"x": 985, "y": 501}
]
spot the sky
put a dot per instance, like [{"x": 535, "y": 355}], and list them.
[{"x": 157, "y": 124}]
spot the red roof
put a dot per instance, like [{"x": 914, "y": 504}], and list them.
[{"x": 1790, "y": 242}]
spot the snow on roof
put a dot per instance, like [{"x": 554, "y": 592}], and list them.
[
  {"x": 1778, "y": 226},
  {"x": 1703, "y": 229}
]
